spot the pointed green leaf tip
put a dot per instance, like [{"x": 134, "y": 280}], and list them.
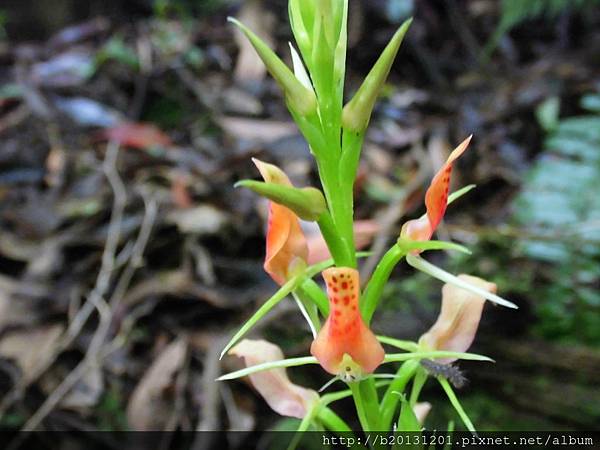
[
  {"x": 299, "y": 98},
  {"x": 358, "y": 111},
  {"x": 307, "y": 203}
]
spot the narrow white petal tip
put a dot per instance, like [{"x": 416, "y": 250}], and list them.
[{"x": 425, "y": 266}]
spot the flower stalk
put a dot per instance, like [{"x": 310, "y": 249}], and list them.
[{"x": 340, "y": 316}]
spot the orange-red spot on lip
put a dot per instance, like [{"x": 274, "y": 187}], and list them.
[
  {"x": 344, "y": 285},
  {"x": 334, "y": 279},
  {"x": 346, "y": 300}
]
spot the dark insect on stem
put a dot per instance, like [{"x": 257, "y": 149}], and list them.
[{"x": 449, "y": 371}]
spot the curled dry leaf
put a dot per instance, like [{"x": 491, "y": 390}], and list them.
[
  {"x": 202, "y": 219},
  {"x": 459, "y": 318},
  {"x": 30, "y": 348},
  {"x": 257, "y": 130},
  {"x": 141, "y": 136},
  {"x": 283, "y": 396},
  {"x": 148, "y": 407}
]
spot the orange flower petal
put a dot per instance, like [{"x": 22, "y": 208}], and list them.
[
  {"x": 459, "y": 318},
  {"x": 345, "y": 346},
  {"x": 286, "y": 244},
  {"x": 436, "y": 200},
  {"x": 283, "y": 396}
]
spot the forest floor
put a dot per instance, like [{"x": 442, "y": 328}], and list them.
[{"x": 124, "y": 268}]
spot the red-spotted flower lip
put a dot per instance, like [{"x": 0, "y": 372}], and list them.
[
  {"x": 345, "y": 346},
  {"x": 436, "y": 200}
]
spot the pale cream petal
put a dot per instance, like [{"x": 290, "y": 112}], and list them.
[
  {"x": 283, "y": 396},
  {"x": 459, "y": 317}
]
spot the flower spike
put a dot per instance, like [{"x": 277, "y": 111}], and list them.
[
  {"x": 287, "y": 250},
  {"x": 436, "y": 200},
  {"x": 345, "y": 346}
]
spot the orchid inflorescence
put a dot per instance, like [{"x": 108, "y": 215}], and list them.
[{"x": 339, "y": 318}]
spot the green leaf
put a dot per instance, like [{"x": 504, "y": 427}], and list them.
[
  {"x": 307, "y": 203},
  {"x": 399, "y": 357},
  {"x": 332, "y": 421},
  {"x": 283, "y": 363},
  {"x": 407, "y": 421},
  {"x": 458, "y": 194},
  {"x": 409, "y": 346},
  {"x": 267, "y": 306},
  {"x": 591, "y": 102},
  {"x": 547, "y": 113},
  {"x": 457, "y": 406},
  {"x": 408, "y": 246}
]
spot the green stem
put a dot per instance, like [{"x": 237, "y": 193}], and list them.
[
  {"x": 417, "y": 386},
  {"x": 371, "y": 402},
  {"x": 312, "y": 290},
  {"x": 390, "y": 399},
  {"x": 337, "y": 245},
  {"x": 360, "y": 407},
  {"x": 332, "y": 421},
  {"x": 372, "y": 293},
  {"x": 304, "y": 425},
  {"x": 457, "y": 406},
  {"x": 308, "y": 310}
]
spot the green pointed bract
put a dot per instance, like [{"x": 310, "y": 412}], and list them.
[
  {"x": 307, "y": 203},
  {"x": 283, "y": 363},
  {"x": 298, "y": 97},
  {"x": 301, "y": 33},
  {"x": 399, "y": 357},
  {"x": 357, "y": 112},
  {"x": 457, "y": 406}
]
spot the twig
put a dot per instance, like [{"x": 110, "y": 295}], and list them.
[
  {"x": 104, "y": 275},
  {"x": 97, "y": 351},
  {"x": 112, "y": 240}
]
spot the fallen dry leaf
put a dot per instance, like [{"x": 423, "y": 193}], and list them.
[
  {"x": 148, "y": 407},
  {"x": 31, "y": 348},
  {"x": 137, "y": 135},
  {"x": 203, "y": 219},
  {"x": 257, "y": 129},
  {"x": 86, "y": 393}
]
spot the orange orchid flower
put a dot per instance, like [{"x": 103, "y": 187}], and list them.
[
  {"x": 345, "y": 346},
  {"x": 436, "y": 200},
  {"x": 457, "y": 323},
  {"x": 287, "y": 249}
]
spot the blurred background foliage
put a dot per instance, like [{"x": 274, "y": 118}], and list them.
[{"x": 523, "y": 76}]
